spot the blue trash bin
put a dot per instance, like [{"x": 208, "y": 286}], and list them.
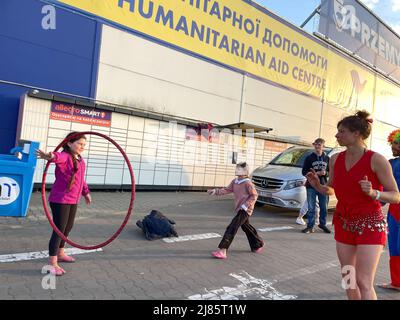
[{"x": 16, "y": 179}]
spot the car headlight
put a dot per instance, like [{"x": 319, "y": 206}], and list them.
[{"x": 294, "y": 184}]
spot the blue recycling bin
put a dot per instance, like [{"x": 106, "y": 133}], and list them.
[{"x": 16, "y": 179}]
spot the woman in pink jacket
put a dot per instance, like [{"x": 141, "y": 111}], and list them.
[
  {"x": 245, "y": 198},
  {"x": 65, "y": 194}
]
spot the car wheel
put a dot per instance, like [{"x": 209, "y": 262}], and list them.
[{"x": 259, "y": 204}]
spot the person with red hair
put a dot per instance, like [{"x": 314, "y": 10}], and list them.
[{"x": 393, "y": 218}]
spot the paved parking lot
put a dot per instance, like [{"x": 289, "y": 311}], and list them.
[{"x": 293, "y": 266}]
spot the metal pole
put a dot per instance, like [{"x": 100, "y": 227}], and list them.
[{"x": 311, "y": 15}]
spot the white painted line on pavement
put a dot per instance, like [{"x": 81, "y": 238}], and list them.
[
  {"x": 249, "y": 287},
  {"x": 275, "y": 229},
  {"x": 192, "y": 237},
  {"x": 40, "y": 255},
  {"x": 306, "y": 271},
  {"x": 282, "y": 228}
]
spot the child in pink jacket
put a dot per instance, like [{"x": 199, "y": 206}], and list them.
[
  {"x": 65, "y": 194},
  {"x": 245, "y": 198}
]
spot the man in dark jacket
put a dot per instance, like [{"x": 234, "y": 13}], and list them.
[{"x": 318, "y": 161}]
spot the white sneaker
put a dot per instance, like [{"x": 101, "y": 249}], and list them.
[{"x": 300, "y": 221}]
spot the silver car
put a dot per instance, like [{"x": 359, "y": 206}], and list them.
[{"x": 280, "y": 183}]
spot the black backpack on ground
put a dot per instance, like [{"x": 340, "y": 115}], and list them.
[{"x": 156, "y": 225}]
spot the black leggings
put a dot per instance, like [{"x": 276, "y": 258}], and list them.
[{"x": 63, "y": 217}]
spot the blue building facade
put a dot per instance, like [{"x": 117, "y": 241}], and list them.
[{"x": 62, "y": 59}]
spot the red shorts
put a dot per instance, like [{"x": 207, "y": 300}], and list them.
[{"x": 354, "y": 238}]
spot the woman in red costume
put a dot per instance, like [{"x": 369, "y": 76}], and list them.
[{"x": 358, "y": 177}]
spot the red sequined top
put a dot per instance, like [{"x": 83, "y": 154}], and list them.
[{"x": 355, "y": 209}]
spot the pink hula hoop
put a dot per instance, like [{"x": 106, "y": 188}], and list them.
[{"x": 128, "y": 214}]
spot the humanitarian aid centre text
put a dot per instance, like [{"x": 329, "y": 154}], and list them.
[{"x": 252, "y": 27}]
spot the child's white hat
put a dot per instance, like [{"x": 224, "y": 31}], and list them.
[{"x": 242, "y": 169}]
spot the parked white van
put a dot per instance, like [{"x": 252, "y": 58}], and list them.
[{"x": 280, "y": 183}]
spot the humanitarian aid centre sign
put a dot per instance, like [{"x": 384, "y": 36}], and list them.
[
  {"x": 244, "y": 36},
  {"x": 231, "y": 32}
]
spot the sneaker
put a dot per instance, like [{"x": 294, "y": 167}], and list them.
[
  {"x": 308, "y": 230},
  {"x": 324, "y": 228},
  {"x": 56, "y": 271},
  {"x": 218, "y": 254},
  {"x": 300, "y": 221},
  {"x": 260, "y": 249}
]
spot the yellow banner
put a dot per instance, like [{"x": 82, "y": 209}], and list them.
[
  {"x": 240, "y": 35},
  {"x": 387, "y": 101}
]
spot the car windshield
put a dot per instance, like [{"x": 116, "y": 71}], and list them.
[{"x": 293, "y": 157}]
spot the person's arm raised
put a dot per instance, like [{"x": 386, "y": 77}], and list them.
[{"x": 313, "y": 179}]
